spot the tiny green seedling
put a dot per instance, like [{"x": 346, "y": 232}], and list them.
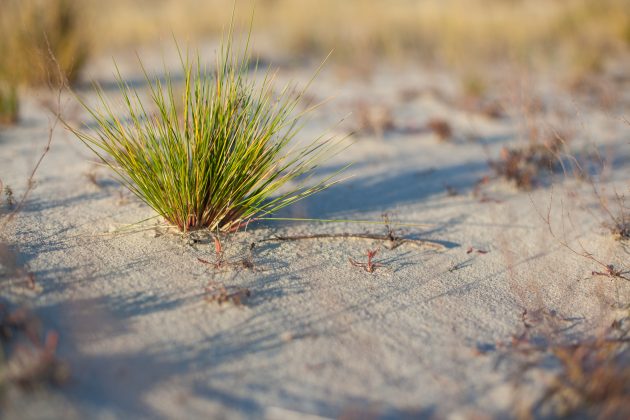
[{"x": 219, "y": 156}]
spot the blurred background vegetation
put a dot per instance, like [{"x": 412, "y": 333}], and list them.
[
  {"x": 448, "y": 31},
  {"x": 576, "y": 36}
]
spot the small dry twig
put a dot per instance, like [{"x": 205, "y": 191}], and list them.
[
  {"x": 470, "y": 250},
  {"x": 612, "y": 272},
  {"x": 391, "y": 241},
  {"x": 459, "y": 266}
]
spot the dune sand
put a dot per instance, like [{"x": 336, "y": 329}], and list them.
[{"x": 427, "y": 334}]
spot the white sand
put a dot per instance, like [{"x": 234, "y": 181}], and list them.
[{"x": 318, "y": 337}]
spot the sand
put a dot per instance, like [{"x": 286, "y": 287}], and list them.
[{"x": 425, "y": 335}]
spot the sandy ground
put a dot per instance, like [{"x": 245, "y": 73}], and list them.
[{"x": 423, "y": 336}]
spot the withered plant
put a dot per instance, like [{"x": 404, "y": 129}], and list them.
[
  {"x": 525, "y": 166},
  {"x": 591, "y": 377}
]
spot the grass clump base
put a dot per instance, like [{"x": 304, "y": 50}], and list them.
[{"x": 215, "y": 157}]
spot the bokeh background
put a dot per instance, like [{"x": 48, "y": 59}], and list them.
[{"x": 574, "y": 37}]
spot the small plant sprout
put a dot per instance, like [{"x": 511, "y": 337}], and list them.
[
  {"x": 370, "y": 266},
  {"x": 612, "y": 272},
  {"x": 217, "y": 157}
]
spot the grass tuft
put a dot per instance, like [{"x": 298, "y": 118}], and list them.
[{"x": 215, "y": 157}]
